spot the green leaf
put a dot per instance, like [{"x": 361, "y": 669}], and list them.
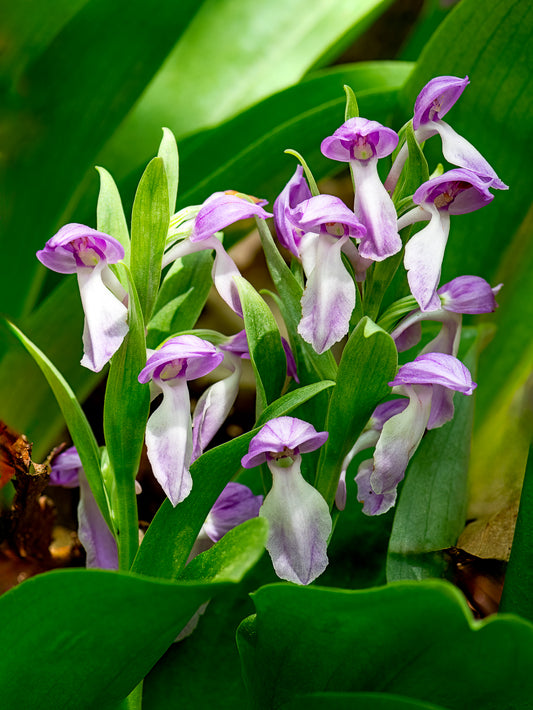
[
  {"x": 168, "y": 150},
  {"x": 163, "y": 555},
  {"x": 361, "y": 701},
  {"x": 110, "y": 217},
  {"x": 106, "y": 631},
  {"x": 81, "y": 76},
  {"x": 234, "y": 54},
  {"x": 352, "y": 109},
  {"x": 264, "y": 343},
  {"x": 79, "y": 427},
  {"x": 149, "y": 228},
  {"x": 417, "y": 640},
  {"x": 126, "y": 408},
  {"x": 371, "y": 353},
  {"x": 415, "y": 170},
  {"x": 431, "y": 510},
  {"x": 233, "y": 553}
]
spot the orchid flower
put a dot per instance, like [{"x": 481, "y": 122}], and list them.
[
  {"x": 169, "y": 439},
  {"x": 77, "y": 249},
  {"x": 298, "y": 516},
  {"x": 464, "y": 294},
  {"x": 402, "y": 433},
  {"x": 316, "y": 229},
  {"x": 361, "y": 143},
  {"x": 95, "y": 536},
  {"x": 455, "y": 192},
  {"x": 219, "y": 211},
  {"x": 432, "y": 104}
]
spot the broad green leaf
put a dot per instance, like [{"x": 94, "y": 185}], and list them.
[
  {"x": 181, "y": 297},
  {"x": 248, "y": 151},
  {"x": 369, "y": 361},
  {"x": 110, "y": 217},
  {"x": 264, "y": 343},
  {"x": 168, "y": 150},
  {"x": 82, "y": 77},
  {"x": 163, "y": 555},
  {"x": 233, "y": 54},
  {"x": 517, "y": 591},
  {"x": 431, "y": 511},
  {"x": 417, "y": 640},
  {"x": 79, "y": 428},
  {"x": 106, "y": 631},
  {"x": 149, "y": 228},
  {"x": 126, "y": 408},
  {"x": 361, "y": 701}
]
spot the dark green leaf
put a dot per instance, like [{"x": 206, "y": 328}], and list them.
[
  {"x": 413, "y": 639},
  {"x": 361, "y": 701},
  {"x": 369, "y": 361}
]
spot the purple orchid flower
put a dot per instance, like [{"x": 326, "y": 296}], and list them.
[
  {"x": 464, "y": 294},
  {"x": 234, "y": 506},
  {"x": 77, "y": 249},
  {"x": 95, "y": 536},
  {"x": 457, "y": 191},
  {"x": 298, "y": 516},
  {"x": 402, "y": 433},
  {"x": 432, "y": 104},
  {"x": 219, "y": 211},
  {"x": 361, "y": 143},
  {"x": 169, "y": 438},
  {"x": 367, "y": 439}
]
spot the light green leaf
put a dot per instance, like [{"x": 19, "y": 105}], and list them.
[
  {"x": 126, "y": 408},
  {"x": 110, "y": 217},
  {"x": 168, "y": 150},
  {"x": 149, "y": 228}
]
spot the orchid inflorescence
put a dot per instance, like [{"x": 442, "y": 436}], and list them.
[{"x": 337, "y": 255}]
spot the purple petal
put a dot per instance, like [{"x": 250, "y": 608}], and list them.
[
  {"x": 76, "y": 246},
  {"x": 222, "y": 209},
  {"x": 291, "y": 362},
  {"x": 238, "y": 345},
  {"x": 329, "y": 297},
  {"x": 214, "y": 406},
  {"x": 373, "y": 503},
  {"x": 359, "y": 139},
  {"x": 294, "y": 192},
  {"x": 185, "y": 356},
  {"x": 65, "y": 469},
  {"x": 383, "y": 412},
  {"x": 327, "y": 215},
  {"x": 375, "y": 209},
  {"x": 408, "y": 331},
  {"x": 458, "y": 151},
  {"x": 437, "y": 98},
  {"x": 299, "y": 525},
  {"x": 436, "y": 369},
  {"x": 457, "y": 191},
  {"x": 105, "y": 318},
  {"x": 98, "y": 541},
  {"x": 169, "y": 440},
  {"x": 399, "y": 440},
  {"x": 469, "y": 294},
  {"x": 234, "y": 506},
  {"x": 442, "y": 408},
  {"x": 424, "y": 253},
  {"x": 284, "y": 435}
]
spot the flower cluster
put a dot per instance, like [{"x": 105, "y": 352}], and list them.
[{"x": 337, "y": 252}]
